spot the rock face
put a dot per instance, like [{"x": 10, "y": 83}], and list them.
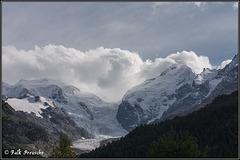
[
  {"x": 175, "y": 92},
  {"x": 126, "y": 110}
]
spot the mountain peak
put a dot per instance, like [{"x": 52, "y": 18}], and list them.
[
  {"x": 173, "y": 67},
  {"x": 234, "y": 61},
  {"x": 230, "y": 66},
  {"x": 174, "y": 91}
]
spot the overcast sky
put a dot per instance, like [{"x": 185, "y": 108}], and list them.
[{"x": 104, "y": 46}]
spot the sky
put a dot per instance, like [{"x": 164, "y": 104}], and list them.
[{"x": 108, "y": 47}]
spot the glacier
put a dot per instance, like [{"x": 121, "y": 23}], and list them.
[{"x": 86, "y": 109}]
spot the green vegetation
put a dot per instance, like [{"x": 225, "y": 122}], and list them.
[
  {"x": 209, "y": 132},
  {"x": 174, "y": 144},
  {"x": 64, "y": 149}
]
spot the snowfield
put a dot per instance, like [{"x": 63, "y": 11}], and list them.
[{"x": 29, "y": 105}]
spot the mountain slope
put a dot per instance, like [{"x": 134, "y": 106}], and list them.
[
  {"x": 149, "y": 100},
  {"x": 223, "y": 81},
  {"x": 46, "y": 114},
  {"x": 214, "y": 126},
  {"x": 20, "y": 133},
  {"x": 176, "y": 91},
  {"x": 87, "y": 110}
]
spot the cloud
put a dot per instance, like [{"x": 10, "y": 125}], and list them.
[
  {"x": 200, "y": 4},
  {"x": 101, "y": 71},
  {"x": 196, "y": 63},
  {"x": 177, "y": 26},
  {"x": 223, "y": 64},
  {"x": 155, "y": 4},
  {"x": 235, "y": 5},
  {"x": 107, "y": 72}
]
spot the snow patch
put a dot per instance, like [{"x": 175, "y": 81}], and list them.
[
  {"x": 25, "y": 106},
  {"x": 213, "y": 84},
  {"x": 207, "y": 74}
]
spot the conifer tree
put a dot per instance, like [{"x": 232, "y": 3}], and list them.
[
  {"x": 64, "y": 149},
  {"x": 174, "y": 144},
  {"x": 233, "y": 138}
]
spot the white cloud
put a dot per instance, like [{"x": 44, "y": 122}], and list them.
[
  {"x": 156, "y": 5},
  {"x": 151, "y": 69},
  {"x": 200, "y": 4},
  {"x": 101, "y": 71},
  {"x": 109, "y": 73},
  {"x": 235, "y": 5},
  {"x": 160, "y": 3},
  {"x": 196, "y": 63},
  {"x": 223, "y": 64}
]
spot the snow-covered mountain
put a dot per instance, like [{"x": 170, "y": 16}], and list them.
[
  {"x": 174, "y": 92},
  {"x": 217, "y": 82},
  {"x": 43, "y": 112},
  {"x": 86, "y": 109},
  {"x": 147, "y": 101}
]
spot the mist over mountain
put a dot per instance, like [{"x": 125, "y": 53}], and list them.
[
  {"x": 106, "y": 72},
  {"x": 176, "y": 91}
]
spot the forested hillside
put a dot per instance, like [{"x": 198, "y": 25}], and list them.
[{"x": 209, "y": 132}]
